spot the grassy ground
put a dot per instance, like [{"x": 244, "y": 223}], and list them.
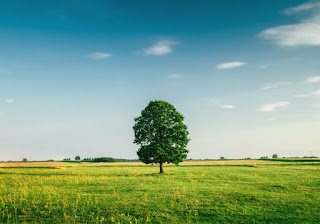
[{"x": 247, "y": 191}]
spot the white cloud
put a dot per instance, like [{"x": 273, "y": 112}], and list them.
[
  {"x": 99, "y": 56},
  {"x": 175, "y": 76},
  {"x": 316, "y": 93},
  {"x": 313, "y": 79},
  {"x": 160, "y": 48},
  {"x": 302, "y": 7},
  {"x": 229, "y": 65},
  {"x": 263, "y": 66},
  {"x": 275, "y": 84},
  {"x": 228, "y": 106},
  {"x": 304, "y": 33},
  {"x": 300, "y": 96},
  {"x": 273, "y": 106},
  {"x": 9, "y": 100}
]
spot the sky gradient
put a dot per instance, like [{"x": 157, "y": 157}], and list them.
[{"x": 74, "y": 75}]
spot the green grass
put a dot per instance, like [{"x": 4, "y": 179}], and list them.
[{"x": 266, "y": 193}]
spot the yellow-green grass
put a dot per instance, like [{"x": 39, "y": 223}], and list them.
[{"x": 235, "y": 191}]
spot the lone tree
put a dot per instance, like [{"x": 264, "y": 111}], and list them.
[{"x": 161, "y": 134}]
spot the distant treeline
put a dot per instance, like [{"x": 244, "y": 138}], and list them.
[
  {"x": 296, "y": 159},
  {"x": 108, "y": 160}
]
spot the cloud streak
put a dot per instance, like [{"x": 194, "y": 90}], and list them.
[
  {"x": 9, "y": 100},
  {"x": 228, "y": 106},
  {"x": 316, "y": 93},
  {"x": 99, "y": 56},
  {"x": 302, "y": 7},
  {"x": 272, "y": 106},
  {"x": 229, "y": 65},
  {"x": 275, "y": 85},
  {"x": 175, "y": 76},
  {"x": 313, "y": 79},
  {"x": 309, "y": 80},
  {"x": 301, "y": 96},
  {"x": 159, "y": 49}
]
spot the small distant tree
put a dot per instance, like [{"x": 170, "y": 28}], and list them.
[
  {"x": 274, "y": 156},
  {"x": 25, "y": 160},
  {"x": 161, "y": 134},
  {"x": 222, "y": 158},
  {"x": 77, "y": 158}
]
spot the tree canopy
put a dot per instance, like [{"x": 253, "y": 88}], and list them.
[{"x": 161, "y": 134}]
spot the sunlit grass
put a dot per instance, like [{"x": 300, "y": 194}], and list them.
[{"x": 206, "y": 191}]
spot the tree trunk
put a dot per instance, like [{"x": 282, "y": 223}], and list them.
[{"x": 161, "y": 167}]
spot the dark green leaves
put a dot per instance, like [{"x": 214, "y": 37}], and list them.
[{"x": 161, "y": 134}]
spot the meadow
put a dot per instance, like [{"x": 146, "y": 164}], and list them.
[{"x": 233, "y": 191}]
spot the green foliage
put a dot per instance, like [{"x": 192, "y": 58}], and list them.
[
  {"x": 108, "y": 160},
  {"x": 104, "y": 159},
  {"x": 161, "y": 134}
]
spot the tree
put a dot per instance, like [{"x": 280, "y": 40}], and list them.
[
  {"x": 161, "y": 134},
  {"x": 77, "y": 158},
  {"x": 274, "y": 156},
  {"x": 25, "y": 160}
]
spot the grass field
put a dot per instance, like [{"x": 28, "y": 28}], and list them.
[{"x": 235, "y": 191}]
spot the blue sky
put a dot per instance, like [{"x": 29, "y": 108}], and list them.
[{"x": 74, "y": 74}]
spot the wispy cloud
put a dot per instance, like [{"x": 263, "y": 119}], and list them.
[
  {"x": 313, "y": 79},
  {"x": 302, "y": 7},
  {"x": 316, "y": 93},
  {"x": 273, "y": 106},
  {"x": 217, "y": 103},
  {"x": 99, "y": 56},
  {"x": 161, "y": 48},
  {"x": 304, "y": 33},
  {"x": 275, "y": 85},
  {"x": 228, "y": 106},
  {"x": 175, "y": 76},
  {"x": 9, "y": 100},
  {"x": 228, "y": 65},
  {"x": 309, "y": 80},
  {"x": 263, "y": 66},
  {"x": 300, "y": 96}
]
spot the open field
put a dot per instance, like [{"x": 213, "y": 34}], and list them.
[{"x": 232, "y": 191}]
